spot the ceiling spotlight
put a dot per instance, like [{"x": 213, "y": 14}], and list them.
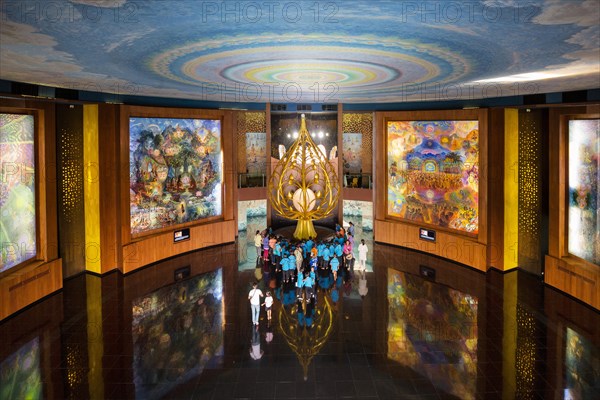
[
  {"x": 321, "y": 134},
  {"x": 295, "y": 134},
  {"x": 326, "y": 133},
  {"x": 289, "y": 136}
]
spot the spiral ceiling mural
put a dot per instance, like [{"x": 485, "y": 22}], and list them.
[{"x": 318, "y": 52}]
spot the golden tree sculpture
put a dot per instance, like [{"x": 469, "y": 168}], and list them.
[{"x": 304, "y": 185}]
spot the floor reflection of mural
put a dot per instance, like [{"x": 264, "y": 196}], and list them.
[
  {"x": 433, "y": 330},
  {"x": 177, "y": 332},
  {"x": 256, "y": 153},
  {"x": 252, "y": 217},
  {"x": 175, "y": 171},
  {"x": 582, "y": 367},
  {"x": 20, "y": 374},
  {"x": 17, "y": 190},
  {"x": 352, "y": 152},
  {"x": 584, "y": 183},
  {"x": 433, "y": 172},
  {"x": 360, "y": 213}
]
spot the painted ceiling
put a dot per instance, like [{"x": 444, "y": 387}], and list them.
[{"x": 314, "y": 51}]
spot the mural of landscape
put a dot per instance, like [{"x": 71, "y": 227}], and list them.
[
  {"x": 432, "y": 329},
  {"x": 20, "y": 373},
  {"x": 17, "y": 190},
  {"x": 177, "y": 332},
  {"x": 175, "y": 171},
  {"x": 433, "y": 173},
  {"x": 256, "y": 153},
  {"x": 582, "y": 367},
  {"x": 352, "y": 152},
  {"x": 584, "y": 183}
]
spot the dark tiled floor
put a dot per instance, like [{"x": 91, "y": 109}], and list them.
[{"x": 467, "y": 335}]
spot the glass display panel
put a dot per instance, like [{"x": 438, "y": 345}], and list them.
[
  {"x": 17, "y": 190},
  {"x": 584, "y": 181},
  {"x": 433, "y": 173},
  {"x": 175, "y": 171}
]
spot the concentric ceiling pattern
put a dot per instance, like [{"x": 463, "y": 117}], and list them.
[
  {"x": 304, "y": 51},
  {"x": 303, "y": 69}
]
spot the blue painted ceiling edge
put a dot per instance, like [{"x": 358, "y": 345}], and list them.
[{"x": 44, "y": 92}]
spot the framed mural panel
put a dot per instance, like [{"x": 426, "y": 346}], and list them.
[
  {"x": 256, "y": 153},
  {"x": 18, "y": 209},
  {"x": 433, "y": 173},
  {"x": 584, "y": 182},
  {"x": 175, "y": 172},
  {"x": 352, "y": 152}
]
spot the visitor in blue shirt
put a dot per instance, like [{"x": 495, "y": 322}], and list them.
[
  {"x": 334, "y": 264},
  {"x": 299, "y": 284},
  {"x": 291, "y": 266},
  {"x": 326, "y": 257},
  {"x": 285, "y": 267},
  {"x": 308, "y": 286}
]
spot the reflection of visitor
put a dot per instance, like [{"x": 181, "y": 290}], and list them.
[
  {"x": 362, "y": 283},
  {"x": 255, "y": 352}
]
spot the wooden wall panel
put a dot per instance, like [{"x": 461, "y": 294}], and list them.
[
  {"x": 575, "y": 278},
  {"x": 471, "y": 251},
  {"x": 456, "y": 248},
  {"x": 357, "y": 194},
  {"x": 29, "y": 284},
  {"x": 141, "y": 253}
]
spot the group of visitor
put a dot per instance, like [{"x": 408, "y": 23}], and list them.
[{"x": 303, "y": 264}]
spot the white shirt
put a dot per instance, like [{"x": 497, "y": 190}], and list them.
[
  {"x": 258, "y": 240},
  {"x": 254, "y": 296},
  {"x": 268, "y": 301},
  {"x": 362, "y": 251}
]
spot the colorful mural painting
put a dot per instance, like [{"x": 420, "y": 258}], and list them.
[
  {"x": 432, "y": 329},
  {"x": 17, "y": 190},
  {"x": 177, "y": 333},
  {"x": 256, "y": 153},
  {"x": 352, "y": 152},
  {"x": 584, "y": 183},
  {"x": 433, "y": 173},
  {"x": 175, "y": 171},
  {"x": 582, "y": 367},
  {"x": 20, "y": 373}
]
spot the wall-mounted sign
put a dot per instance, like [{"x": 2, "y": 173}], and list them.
[
  {"x": 427, "y": 234},
  {"x": 182, "y": 273},
  {"x": 182, "y": 234},
  {"x": 427, "y": 272}
]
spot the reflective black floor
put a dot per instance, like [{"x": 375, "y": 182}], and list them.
[{"x": 386, "y": 334}]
